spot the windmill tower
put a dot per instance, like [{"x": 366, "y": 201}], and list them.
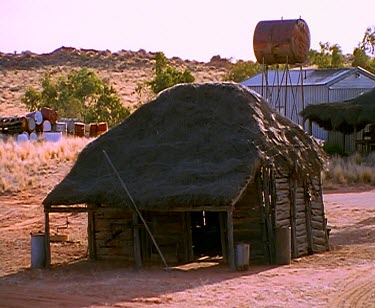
[{"x": 278, "y": 45}]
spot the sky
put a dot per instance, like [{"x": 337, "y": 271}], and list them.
[{"x": 194, "y": 29}]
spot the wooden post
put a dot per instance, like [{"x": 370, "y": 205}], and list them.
[
  {"x": 293, "y": 217},
  {"x": 47, "y": 247},
  {"x": 222, "y": 236},
  {"x": 188, "y": 238},
  {"x": 309, "y": 131},
  {"x": 323, "y": 213},
  {"x": 136, "y": 243},
  {"x": 268, "y": 214},
  {"x": 91, "y": 235},
  {"x": 308, "y": 218},
  {"x": 231, "y": 260}
]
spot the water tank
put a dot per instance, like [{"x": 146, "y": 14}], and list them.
[{"x": 281, "y": 41}]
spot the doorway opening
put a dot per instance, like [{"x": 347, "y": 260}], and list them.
[{"x": 206, "y": 235}]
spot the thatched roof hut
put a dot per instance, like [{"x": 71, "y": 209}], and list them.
[
  {"x": 346, "y": 116},
  {"x": 195, "y": 148}
]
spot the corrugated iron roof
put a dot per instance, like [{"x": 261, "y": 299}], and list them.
[{"x": 310, "y": 76}]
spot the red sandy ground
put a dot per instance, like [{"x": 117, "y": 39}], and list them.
[{"x": 341, "y": 277}]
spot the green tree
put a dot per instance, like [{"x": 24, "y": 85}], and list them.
[
  {"x": 166, "y": 75},
  {"x": 360, "y": 58},
  {"x": 368, "y": 41},
  {"x": 80, "y": 94},
  {"x": 330, "y": 56},
  {"x": 242, "y": 70}
]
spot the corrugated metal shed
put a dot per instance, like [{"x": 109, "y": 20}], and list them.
[
  {"x": 318, "y": 77},
  {"x": 289, "y": 92}
]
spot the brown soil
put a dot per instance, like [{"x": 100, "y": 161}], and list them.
[{"x": 341, "y": 277}]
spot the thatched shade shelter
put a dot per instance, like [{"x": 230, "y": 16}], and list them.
[
  {"x": 345, "y": 117},
  {"x": 204, "y": 164}
]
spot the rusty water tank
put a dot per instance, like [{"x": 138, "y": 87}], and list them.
[{"x": 281, "y": 41}]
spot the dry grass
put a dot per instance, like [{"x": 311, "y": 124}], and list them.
[
  {"x": 24, "y": 165},
  {"x": 28, "y": 165},
  {"x": 352, "y": 170}
]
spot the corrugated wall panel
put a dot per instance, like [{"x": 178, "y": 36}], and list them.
[{"x": 339, "y": 95}]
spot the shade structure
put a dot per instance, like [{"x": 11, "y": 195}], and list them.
[{"x": 346, "y": 116}]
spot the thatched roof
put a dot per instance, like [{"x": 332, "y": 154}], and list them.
[
  {"x": 344, "y": 116},
  {"x": 194, "y": 145}
]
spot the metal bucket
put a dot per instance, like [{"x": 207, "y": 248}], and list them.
[
  {"x": 243, "y": 256},
  {"x": 38, "y": 252}
]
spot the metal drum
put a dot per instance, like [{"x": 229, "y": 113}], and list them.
[{"x": 281, "y": 41}]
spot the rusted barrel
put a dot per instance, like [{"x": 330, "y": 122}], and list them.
[
  {"x": 93, "y": 130},
  {"x": 281, "y": 41},
  {"x": 49, "y": 114},
  {"x": 79, "y": 129},
  {"x": 102, "y": 128}
]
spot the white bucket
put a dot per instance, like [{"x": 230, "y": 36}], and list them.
[
  {"x": 243, "y": 256},
  {"x": 38, "y": 255}
]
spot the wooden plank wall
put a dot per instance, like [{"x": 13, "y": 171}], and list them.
[
  {"x": 169, "y": 231},
  {"x": 300, "y": 219},
  {"x": 318, "y": 218},
  {"x": 282, "y": 208},
  {"x": 299, "y": 205},
  {"x": 248, "y": 223},
  {"x": 113, "y": 233}
]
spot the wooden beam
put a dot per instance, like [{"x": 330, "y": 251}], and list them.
[
  {"x": 231, "y": 260},
  {"x": 137, "y": 243},
  {"x": 224, "y": 247},
  {"x": 47, "y": 247},
  {"x": 68, "y": 210}
]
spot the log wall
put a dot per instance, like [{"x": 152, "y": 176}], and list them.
[{"x": 113, "y": 233}]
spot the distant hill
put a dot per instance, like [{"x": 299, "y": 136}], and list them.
[{"x": 124, "y": 70}]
